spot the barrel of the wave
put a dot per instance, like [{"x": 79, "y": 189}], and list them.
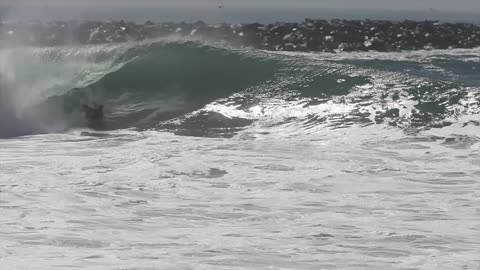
[{"x": 94, "y": 116}]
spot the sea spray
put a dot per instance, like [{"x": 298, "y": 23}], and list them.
[{"x": 30, "y": 76}]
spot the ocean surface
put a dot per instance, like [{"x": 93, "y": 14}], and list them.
[{"x": 222, "y": 158}]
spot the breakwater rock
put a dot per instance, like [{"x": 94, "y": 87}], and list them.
[{"x": 310, "y": 35}]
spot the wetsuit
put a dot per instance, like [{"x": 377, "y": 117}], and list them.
[{"x": 94, "y": 116}]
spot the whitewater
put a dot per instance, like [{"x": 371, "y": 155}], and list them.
[{"x": 235, "y": 158}]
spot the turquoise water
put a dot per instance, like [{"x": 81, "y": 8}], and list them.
[{"x": 185, "y": 86}]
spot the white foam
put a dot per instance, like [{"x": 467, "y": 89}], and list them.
[
  {"x": 467, "y": 55},
  {"x": 368, "y": 196}
]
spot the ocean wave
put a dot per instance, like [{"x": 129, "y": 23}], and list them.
[{"x": 204, "y": 89}]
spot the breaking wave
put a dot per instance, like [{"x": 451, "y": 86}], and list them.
[{"x": 201, "y": 89}]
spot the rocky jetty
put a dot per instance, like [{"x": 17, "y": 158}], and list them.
[{"x": 307, "y": 36}]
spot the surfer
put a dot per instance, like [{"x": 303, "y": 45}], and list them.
[{"x": 93, "y": 115}]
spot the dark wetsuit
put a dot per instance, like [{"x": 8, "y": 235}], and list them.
[{"x": 94, "y": 116}]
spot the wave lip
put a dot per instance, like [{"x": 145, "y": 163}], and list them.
[{"x": 310, "y": 35}]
